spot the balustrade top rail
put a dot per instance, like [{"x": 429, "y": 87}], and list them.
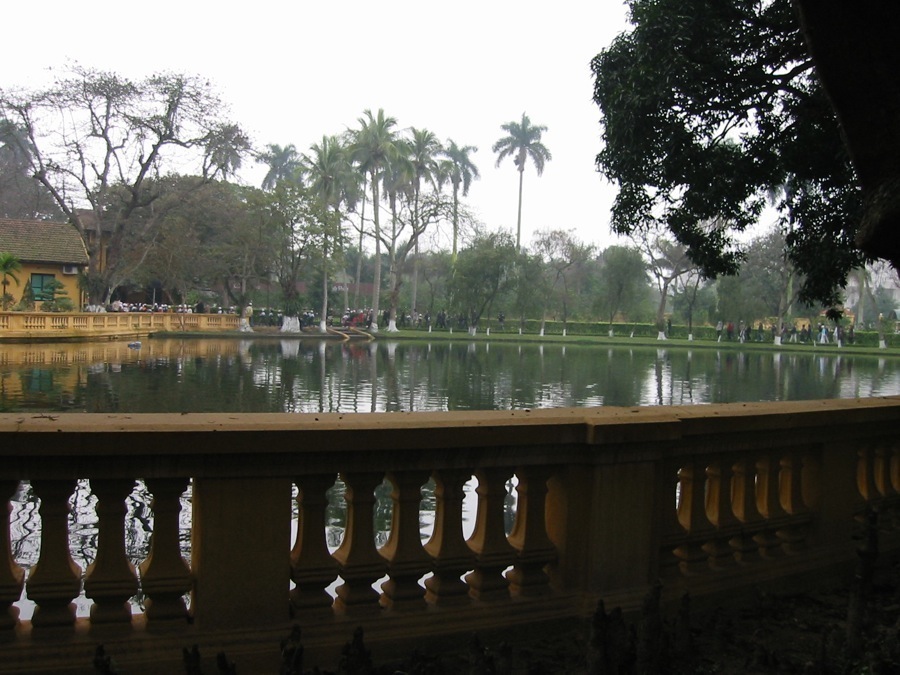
[
  {"x": 709, "y": 499},
  {"x": 116, "y": 438},
  {"x": 51, "y": 325}
]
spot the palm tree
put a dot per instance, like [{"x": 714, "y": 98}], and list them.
[
  {"x": 15, "y": 144},
  {"x": 9, "y": 266},
  {"x": 327, "y": 170},
  {"x": 374, "y": 147},
  {"x": 461, "y": 171},
  {"x": 21, "y": 196},
  {"x": 523, "y": 140},
  {"x": 284, "y": 164},
  {"x": 225, "y": 148},
  {"x": 397, "y": 185},
  {"x": 424, "y": 148},
  {"x": 362, "y": 227}
]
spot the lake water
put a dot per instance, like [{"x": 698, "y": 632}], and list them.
[{"x": 271, "y": 375}]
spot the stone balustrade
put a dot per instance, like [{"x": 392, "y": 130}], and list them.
[
  {"x": 48, "y": 325},
  {"x": 714, "y": 500}
]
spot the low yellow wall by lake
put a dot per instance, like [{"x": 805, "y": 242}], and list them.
[{"x": 85, "y": 325}]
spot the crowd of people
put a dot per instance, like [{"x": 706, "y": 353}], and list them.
[
  {"x": 157, "y": 307},
  {"x": 364, "y": 318},
  {"x": 744, "y": 332}
]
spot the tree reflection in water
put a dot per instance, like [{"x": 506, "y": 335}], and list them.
[
  {"x": 290, "y": 376},
  {"x": 25, "y": 532},
  {"x": 25, "y": 525},
  {"x": 336, "y": 512}
]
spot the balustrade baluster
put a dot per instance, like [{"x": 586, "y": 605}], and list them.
[
  {"x": 893, "y": 451},
  {"x": 794, "y": 531},
  {"x": 892, "y": 482},
  {"x": 110, "y": 580},
  {"x": 811, "y": 480},
  {"x": 769, "y": 505},
  {"x": 11, "y": 574},
  {"x": 882, "y": 472},
  {"x": 865, "y": 474},
  {"x": 493, "y": 552},
  {"x": 672, "y": 531},
  {"x": 165, "y": 576},
  {"x": 529, "y": 534},
  {"x": 743, "y": 497},
  {"x": 720, "y": 511},
  {"x": 360, "y": 563},
  {"x": 55, "y": 581},
  {"x": 866, "y": 480},
  {"x": 452, "y": 557},
  {"x": 792, "y": 467},
  {"x": 407, "y": 560},
  {"x": 312, "y": 566},
  {"x": 692, "y": 516}
]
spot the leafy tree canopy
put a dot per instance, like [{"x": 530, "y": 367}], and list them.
[
  {"x": 711, "y": 110},
  {"x": 20, "y": 195},
  {"x": 95, "y": 141},
  {"x": 623, "y": 282},
  {"x": 485, "y": 269}
]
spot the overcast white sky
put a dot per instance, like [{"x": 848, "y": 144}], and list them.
[{"x": 291, "y": 72}]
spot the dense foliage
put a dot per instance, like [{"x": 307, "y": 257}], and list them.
[
  {"x": 705, "y": 121},
  {"x": 711, "y": 111},
  {"x": 98, "y": 143}
]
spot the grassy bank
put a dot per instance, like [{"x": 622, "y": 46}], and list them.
[
  {"x": 866, "y": 343},
  {"x": 626, "y": 335}
]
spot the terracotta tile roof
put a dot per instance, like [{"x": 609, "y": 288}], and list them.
[{"x": 42, "y": 241}]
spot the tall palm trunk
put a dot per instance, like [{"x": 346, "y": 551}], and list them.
[
  {"x": 415, "y": 284},
  {"x": 519, "y": 220},
  {"x": 376, "y": 290},
  {"x": 415, "y": 272},
  {"x": 393, "y": 269},
  {"x": 362, "y": 227},
  {"x": 456, "y": 221},
  {"x": 863, "y": 282},
  {"x": 323, "y": 319}
]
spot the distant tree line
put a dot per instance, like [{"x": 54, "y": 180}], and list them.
[{"x": 146, "y": 170}]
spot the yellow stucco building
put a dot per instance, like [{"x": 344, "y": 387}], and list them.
[{"x": 47, "y": 251}]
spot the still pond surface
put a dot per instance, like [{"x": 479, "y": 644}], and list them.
[{"x": 272, "y": 375}]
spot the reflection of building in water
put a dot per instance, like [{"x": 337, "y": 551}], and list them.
[
  {"x": 58, "y": 369},
  {"x": 93, "y": 353}
]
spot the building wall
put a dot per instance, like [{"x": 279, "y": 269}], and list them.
[{"x": 69, "y": 282}]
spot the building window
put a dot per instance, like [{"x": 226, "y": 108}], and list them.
[{"x": 42, "y": 286}]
